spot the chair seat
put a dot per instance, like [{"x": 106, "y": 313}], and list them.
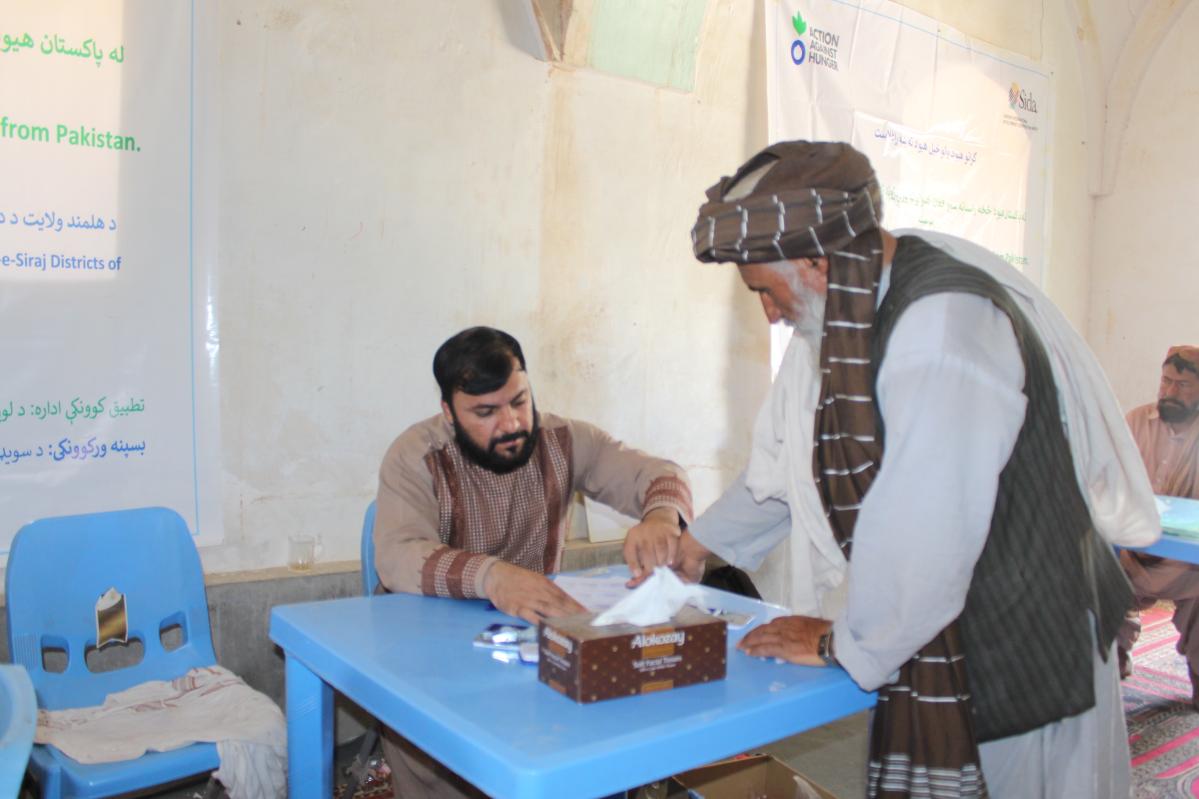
[{"x": 51, "y": 767}]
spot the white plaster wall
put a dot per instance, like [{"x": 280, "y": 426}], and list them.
[
  {"x": 1146, "y": 251},
  {"x": 391, "y": 172},
  {"x": 636, "y": 335},
  {"x": 380, "y": 189}
]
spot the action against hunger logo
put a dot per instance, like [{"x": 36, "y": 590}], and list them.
[
  {"x": 800, "y": 26},
  {"x": 820, "y": 49}
]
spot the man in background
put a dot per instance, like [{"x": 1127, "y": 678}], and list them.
[
  {"x": 473, "y": 503},
  {"x": 913, "y": 450},
  {"x": 1167, "y": 434}
]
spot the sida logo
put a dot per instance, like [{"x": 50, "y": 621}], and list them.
[
  {"x": 798, "y": 51},
  {"x": 1021, "y": 100}
]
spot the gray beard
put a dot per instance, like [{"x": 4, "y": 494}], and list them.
[{"x": 809, "y": 310}]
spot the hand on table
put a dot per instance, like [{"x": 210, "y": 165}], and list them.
[
  {"x": 531, "y": 596},
  {"x": 791, "y": 638}
]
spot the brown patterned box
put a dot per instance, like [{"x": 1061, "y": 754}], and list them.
[{"x": 592, "y": 663}]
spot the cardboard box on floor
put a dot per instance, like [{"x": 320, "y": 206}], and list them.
[{"x": 748, "y": 777}]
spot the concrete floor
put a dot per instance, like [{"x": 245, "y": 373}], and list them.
[{"x": 833, "y": 756}]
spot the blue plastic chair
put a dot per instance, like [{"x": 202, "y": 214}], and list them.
[
  {"x": 57, "y": 569},
  {"x": 18, "y": 721},
  {"x": 357, "y": 770},
  {"x": 370, "y": 577}
]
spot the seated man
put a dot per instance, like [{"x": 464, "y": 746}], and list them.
[
  {"x": 1167, "y": 433},
  {"x": 473, "y": 503}
]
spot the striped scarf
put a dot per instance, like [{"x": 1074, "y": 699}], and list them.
[
  {"x": 922, "y": 741},
  {"x": 922, "y": 736}
]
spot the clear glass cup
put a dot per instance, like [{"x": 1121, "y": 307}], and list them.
[{"x": 301, "y": 552}]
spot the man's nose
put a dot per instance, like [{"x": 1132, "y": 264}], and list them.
[
  {"x": 1169, "y": 391},
  {"x": 770, "y": 309},
  {"x": 509, "y": 420}
]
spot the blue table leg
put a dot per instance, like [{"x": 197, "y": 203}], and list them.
[{"x": 309, "y": 733}]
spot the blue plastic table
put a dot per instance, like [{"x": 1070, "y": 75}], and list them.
[
  {"x": 18, "y": 720},
  {"x": 1180, "y": 530},
  {"x": 410, "y": 661}
]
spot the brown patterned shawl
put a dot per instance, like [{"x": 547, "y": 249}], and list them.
[{"x": 922, "y": 736}]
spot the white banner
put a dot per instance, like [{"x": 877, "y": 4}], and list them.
[
  {"x": 107, "y": 331},
  {"x": 957, "y": 131}
]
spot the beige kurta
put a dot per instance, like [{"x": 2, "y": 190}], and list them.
[
  {"x": 1171, "y": 455},
  {"x": 442, "y": 520}
]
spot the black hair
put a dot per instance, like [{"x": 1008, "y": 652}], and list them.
[
  {"x": 476, "y": 361},
  {"x": 1181, "y": 364}
]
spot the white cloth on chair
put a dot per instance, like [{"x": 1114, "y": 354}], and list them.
[{"x": 210, "y": 704}]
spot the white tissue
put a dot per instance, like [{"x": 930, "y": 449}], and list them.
[{"x": 653, "y": 602}]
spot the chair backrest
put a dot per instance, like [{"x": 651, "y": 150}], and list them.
[
  {"x": 370, "y": 577},
  {"x": 59, "y": 567}
]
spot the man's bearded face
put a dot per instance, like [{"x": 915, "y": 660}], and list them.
[
  {"x": 792, "y": 292},
  {"x": 1178, "y": 395},
  {"x": 497, "y": 430}
]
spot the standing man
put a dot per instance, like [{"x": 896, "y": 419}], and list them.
[
  {"x": 473, "y": 503},
  {"x": 913, "y": 448},
  {"x": 1167, "y": 434}
]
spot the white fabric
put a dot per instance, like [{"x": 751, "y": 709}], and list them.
[
  {"x": 784, "y": 472},
  {"x": 1106, "y": 459},
  {"x": 207, "y": 704},
  {"x": 655, "y": 601}
]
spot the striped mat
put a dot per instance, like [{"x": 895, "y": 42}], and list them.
[{"x": 1163, "y": 728}]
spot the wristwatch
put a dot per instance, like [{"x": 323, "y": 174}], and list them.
[{"x": 824, "y": 648}]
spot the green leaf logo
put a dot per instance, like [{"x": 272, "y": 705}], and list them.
[{"x": 800, "y": 25}]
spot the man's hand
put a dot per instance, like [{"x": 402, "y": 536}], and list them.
[
  {"x": 531, "y": 596},
  {"x": 691, "y": 558},
  {"x": 652, "y": 543},
  {"x": 792, "y": 638}
]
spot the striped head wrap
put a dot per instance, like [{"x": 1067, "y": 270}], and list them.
[
  {"x": 792, "y": 200},
  {"x": 816, "y": 200},
  {"x": 822, "y": 200}
]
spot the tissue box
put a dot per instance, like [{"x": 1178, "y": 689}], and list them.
[{"x": 589, "y": 663}]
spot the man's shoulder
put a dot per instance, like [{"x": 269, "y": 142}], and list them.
[
  {"x": 552, "y": 421},
  {"x": 421, "y": 438},
  {"x": 934, "y": 244},
  {"x": 1142, "y": 414},
  {"x": 566, "y": 428}
]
